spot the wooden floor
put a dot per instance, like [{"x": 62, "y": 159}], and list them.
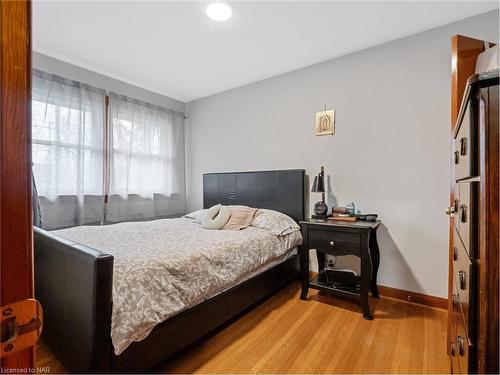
[{"x": 321, "y": 335}]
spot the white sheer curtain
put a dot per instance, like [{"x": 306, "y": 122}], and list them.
[
  {"x": 144, "y": 175},
  {"x": 67, "y": 133},
  {"x": 147, "y": 172}
]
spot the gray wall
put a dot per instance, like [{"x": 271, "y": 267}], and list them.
[
  {"x": 70, "y": 71},
  {"x": 390, "y": 153}
]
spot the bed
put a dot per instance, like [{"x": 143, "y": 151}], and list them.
[{"x": 74, "y": 282}]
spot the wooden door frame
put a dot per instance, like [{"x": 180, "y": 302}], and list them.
[{"x": 16, "y": 239}]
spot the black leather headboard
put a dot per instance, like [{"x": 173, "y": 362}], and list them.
[{"x": 282, "y": 190}]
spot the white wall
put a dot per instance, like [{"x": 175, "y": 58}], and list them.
[{"x": 390, "y": 154}]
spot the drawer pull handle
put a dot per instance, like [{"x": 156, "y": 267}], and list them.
[
  {"x": 463, "y": 213},
  {"x": 456, "y": 205},
  {"x": 453, "y": 300},
  {"x": 452, "y": 350},
  {"x": 463, "y": 146},
  {"x": 461, "y": 347},
  {"x": 332, "y": 243},
  {"x": 455, "y": 253},
  {"x": 457, "y": 157},
  {"x": 461, "y": 279}
]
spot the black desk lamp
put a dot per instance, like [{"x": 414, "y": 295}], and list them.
[{"x": 320, "y": 208}]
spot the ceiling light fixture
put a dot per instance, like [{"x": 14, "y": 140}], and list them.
[{"x": 219, "y": 11}]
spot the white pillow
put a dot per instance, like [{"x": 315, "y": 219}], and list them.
[
  {"x": 275, "y": 222},
  {"x": 197, "y": 215},
  {"x": 216, "y": 217}
]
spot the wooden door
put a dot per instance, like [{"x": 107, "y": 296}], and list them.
[{"x": 15, "y": 165}]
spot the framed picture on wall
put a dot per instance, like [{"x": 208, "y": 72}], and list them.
[{"x": 325, "y": 122}]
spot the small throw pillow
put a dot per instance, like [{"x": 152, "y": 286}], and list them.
[
  {"x": 216, "y": 217},
  {"x": 241, "y": 217}
]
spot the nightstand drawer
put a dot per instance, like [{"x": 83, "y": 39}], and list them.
[
  {"x": 467, "y": 216},
  {"x": 335, "y": 242}
]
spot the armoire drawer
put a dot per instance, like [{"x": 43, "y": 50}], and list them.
[
  {"x": 464, "y": 274},
  {"x": 456, "y": 310},
  {"x": 456, "y": 339},
  {"x": 455, "y": 365},
  {"x": 464, "y": 349},
  {"x": 456, "y": 204},
  {"x": 467, "y": 216},
  {"x": 465, "y": 157}
]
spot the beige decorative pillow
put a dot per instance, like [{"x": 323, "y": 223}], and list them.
[{"x": 241, "y": 217}]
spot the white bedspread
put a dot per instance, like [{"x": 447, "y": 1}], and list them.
[{"x": 162, "y": 267}]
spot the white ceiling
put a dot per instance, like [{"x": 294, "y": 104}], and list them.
[{"x": 172, "y": 48}]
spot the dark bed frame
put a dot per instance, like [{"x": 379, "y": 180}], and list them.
[{"x": 74, "y": 284}]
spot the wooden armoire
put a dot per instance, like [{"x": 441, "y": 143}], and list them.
[{"x": 474, "y": 215}]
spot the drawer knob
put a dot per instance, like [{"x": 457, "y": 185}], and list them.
[
  {"x": 452, "y": 350},
  {"x": 455, "y": 253},
  {"x": 461, "y": 279},
  {"x": 461, "y": 346},
  {"x": 332, "y": 243}
]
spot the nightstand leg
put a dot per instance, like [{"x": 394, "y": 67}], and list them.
[
  {"x": 365, "y": 305},
  {"x": 366, "y": 277},
  {"x": 375, "y": 255},
  {"x": 304, "y": 272}
]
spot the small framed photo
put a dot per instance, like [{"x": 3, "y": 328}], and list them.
[{"x": 325, "y": 122}]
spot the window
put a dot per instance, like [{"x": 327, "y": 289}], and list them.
[
  {"x": 147, "y": 160},
  {"x": 67, "y": 128},
  {"x": 147, "y": 146}
]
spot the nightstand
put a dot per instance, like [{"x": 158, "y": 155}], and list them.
[{"x": 341, "y": 238}]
